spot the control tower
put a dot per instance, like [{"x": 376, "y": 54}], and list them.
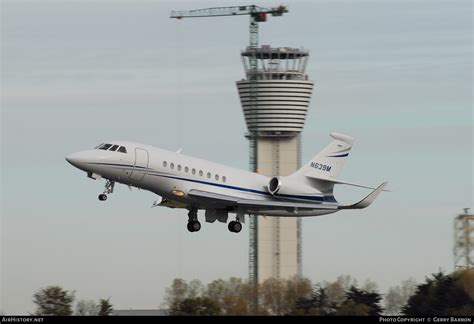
[{"x": 275, "y": 97}]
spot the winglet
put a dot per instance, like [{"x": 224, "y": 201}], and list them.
[{"x": 367, "y": 200}]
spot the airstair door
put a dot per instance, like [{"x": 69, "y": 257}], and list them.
[{"x": 140, "y": 166}]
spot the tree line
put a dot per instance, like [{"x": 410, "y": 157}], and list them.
[{"x": 441, "y": 294}]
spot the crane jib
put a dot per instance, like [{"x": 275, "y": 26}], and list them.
[{"x": 258, "y": 13}]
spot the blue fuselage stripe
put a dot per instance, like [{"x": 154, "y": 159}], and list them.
[
  {"x": 120, "y": 165},
  {"x": 338, "y": 155}
]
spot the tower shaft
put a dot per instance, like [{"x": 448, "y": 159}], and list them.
[
  {"x": 279, "y": 240},
  {"x": 275, "y": 97}
]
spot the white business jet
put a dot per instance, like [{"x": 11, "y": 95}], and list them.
[{"x": 186, "y": 182}]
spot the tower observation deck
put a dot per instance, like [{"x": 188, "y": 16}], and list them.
[
  {"x": 283, "y": 91},
  {"x": 275, "y": 97}
]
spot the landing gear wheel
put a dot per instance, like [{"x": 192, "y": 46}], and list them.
[
  {"x": 194, "y": 226},
  {"x": 190, "y": 228},
  {"x": 102, "y": 197},
  {"x": 193, "y": 223},
  {"x": 231, "y": 226},
  {"x": 235, "y": 227}
]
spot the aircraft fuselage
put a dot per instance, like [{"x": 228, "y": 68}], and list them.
[{"x": 172, "y": 175}]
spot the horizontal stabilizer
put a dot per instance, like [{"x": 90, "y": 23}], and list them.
[{"x": 367, "y": 200}]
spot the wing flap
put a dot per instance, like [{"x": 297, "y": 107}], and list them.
[
  {"x": 253, "y": 203},
  {"x": 283, "y": 204}
]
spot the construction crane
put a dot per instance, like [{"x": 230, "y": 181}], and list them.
[{"x": 257, "y": 15}]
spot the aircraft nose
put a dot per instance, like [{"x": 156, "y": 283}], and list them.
[{"x": 76, "y": 159}]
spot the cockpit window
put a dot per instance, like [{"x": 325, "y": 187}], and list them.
[
  {"x": 105, "y": 147},
  {"x": 98, "y": 146},
  {"x": 112, "y": 148}
]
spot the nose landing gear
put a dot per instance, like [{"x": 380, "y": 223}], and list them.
[
  {"x": 109, "y": 188},
  {"x": 193, "y": 223}
]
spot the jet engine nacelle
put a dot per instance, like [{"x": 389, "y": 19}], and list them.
[
  {"x": 283, "y": 186},
  {"x": 274, "y": 185}
]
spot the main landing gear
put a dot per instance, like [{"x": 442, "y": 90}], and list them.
[
  {"x": 109, "y": 188},
  {"x": 193, "y": 223},
  {"x": 235, "y": 226}
]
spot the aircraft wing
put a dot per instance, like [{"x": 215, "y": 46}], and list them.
[
  {"x": 230, "y": 201},
  {"x": 369, "y": 199}
]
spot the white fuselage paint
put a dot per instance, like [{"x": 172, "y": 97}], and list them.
[{"x": 143, "y": 166}]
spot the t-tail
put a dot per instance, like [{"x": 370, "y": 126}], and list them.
[{"x": 328, "y": 163}]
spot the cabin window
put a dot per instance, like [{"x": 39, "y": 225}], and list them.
[
  {"x": 179, "y": 167},
  {"x": 114, "y": 148},
  {"x": 193, "y": 171},
  {"x": 105, "y": 147},
  {"x": 217, "y": 177},
  {"x": 165, "y": 164},
  {"x": 172, "y": 165},
  {"x": 201, "y": 173},
  {"x": 186, "y": 169},
  {"x": 122, "y": 149},
  {"x": 209, "y": 175},
  {"x": 224, "y": 179}
]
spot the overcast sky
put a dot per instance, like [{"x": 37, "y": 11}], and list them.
[{"x": 396, "y": 75}]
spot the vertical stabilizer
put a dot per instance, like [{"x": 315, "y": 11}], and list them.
[{"x": 328, "y": 163}]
